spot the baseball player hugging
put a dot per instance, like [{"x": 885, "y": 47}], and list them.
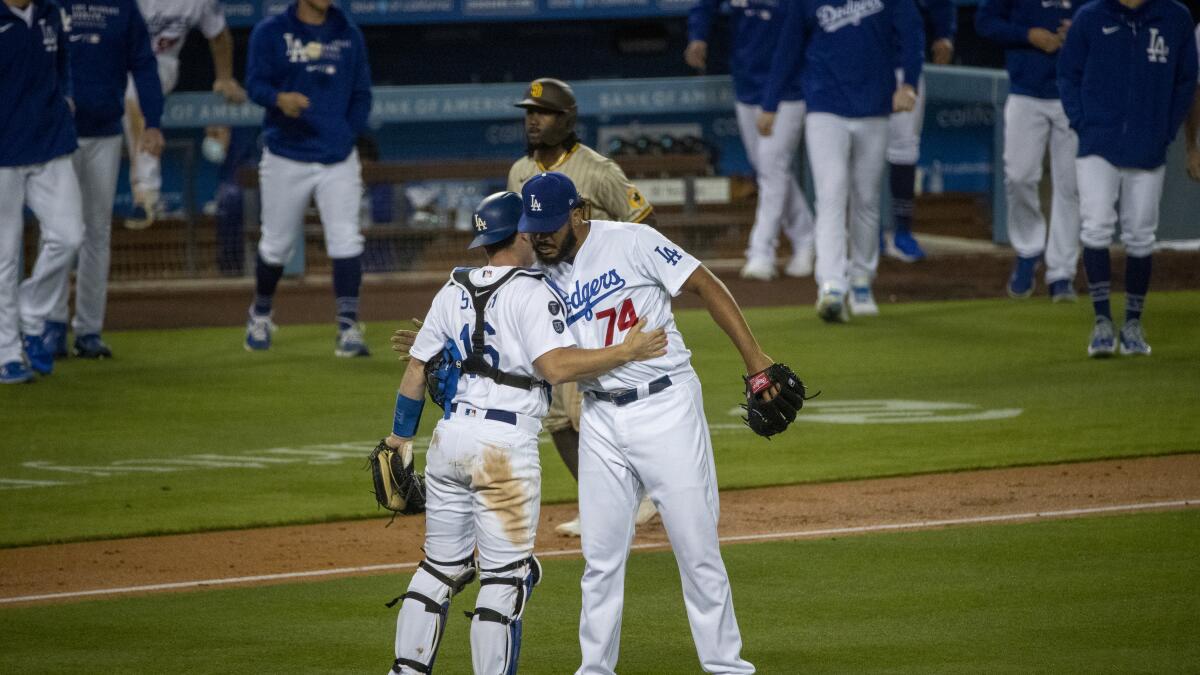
[
  {"x": 493, "y": 342},
  {"x": 308, "y": 68},
  {"x": 847, "y": 49},
  {"x": 1126, "y": 74},
  {"x": 643, "y": 429},
  {"x": 37, "y": 137}
]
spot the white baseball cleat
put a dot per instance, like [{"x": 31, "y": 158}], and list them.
[
  {"x": 831, "y": 305},
  {"x": 646, "y": 512},
  {"x": 569, "y": 528},
  {"x": 759, "y": 270},
  {"x": 862, "y": 300},
  {"x": 801, "y": 264}
]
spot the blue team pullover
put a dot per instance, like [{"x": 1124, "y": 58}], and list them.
[
  {"x": 940, "y": 19},
  {"x": 755, "y": 25},
  {"x": 850, "y": 50},
  {"x": 109, "y": 40},
  {"x": 326, "y": 63},
  {"x": 1126, "y": 78},
  {"x": 1031, "y": 71},
  {"x": 35, "y": 82}
]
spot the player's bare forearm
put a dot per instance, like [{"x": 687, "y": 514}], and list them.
[
  {"x": 725, "y": 312},
  {"x": 572, "y": 363},
  {"x": 1191, "y": 127},
  {"x": 221, "y": 47}
]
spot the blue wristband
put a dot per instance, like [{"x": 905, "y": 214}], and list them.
[{"x": 408, "y": 416}]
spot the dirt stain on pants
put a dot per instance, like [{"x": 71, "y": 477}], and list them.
[{"x": 503, "y": 494}]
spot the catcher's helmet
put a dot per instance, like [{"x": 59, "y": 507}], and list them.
[{"x": 496, "y": 218}]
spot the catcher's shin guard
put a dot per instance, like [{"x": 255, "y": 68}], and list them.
[
  {"x": 496, "y": 621},
  {"x": 422, "y": 618}
]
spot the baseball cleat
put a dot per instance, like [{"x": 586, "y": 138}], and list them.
[
  {"x": 258, "y": 332},
  {"x": 54, "y": 338},
  {"x": 903, "y": 247},
  {"x": 350, "y": 342},
  {"x": 40, "y": 359},
  {"x": 15, "y": 372},
  {"x": 1103, "y": 342},
  {"x": 1022, "y": 280},
  {"x": 646, "y": 512},
  {"x": 569, "y": 528},
  {"x": 758, "y": 270},
  {"x": 862, "y": 300},
  {"x": 1133, "y": 339},
  {"x": 831, "y": 306},
  {"x": 90, "y": 346},
  {"x": 1061, "y": 291},
  {"x": 801, "y": 264}
]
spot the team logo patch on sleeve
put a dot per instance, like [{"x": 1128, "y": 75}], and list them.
[
  {"x": 559, "y": 326},
  {"x": 636, "y": 200},
  {"x": 553, "y": 307}
]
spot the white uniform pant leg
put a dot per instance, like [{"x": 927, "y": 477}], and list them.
[
  {"x": 1099, "y": 188},
  {"x": 904, "y": 128},
  {"x": 776, "y": 181},
  {"x": 1141, "y": 194},
  {"x": 1027, "y": 128},
  {"x": 1062, "y": 245},
  {"x": 867, "y": 150},
  {"x": 97, "y": 162},
  {"x": 828, "y": 140},
  {"x": 609, "y": 493},
  {"x": 12, "y": 225},
  {"x": 285, "y": 187},
  {"x": 671, "y": 450},
  {"x": 146, "y": 169},
  {"x": 339, "y": 194},
  {"x": 52, "y": 193}
]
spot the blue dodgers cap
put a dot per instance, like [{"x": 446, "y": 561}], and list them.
[
  {"x": 547, "y": 200},
  {"x": 496, "y": 218}
]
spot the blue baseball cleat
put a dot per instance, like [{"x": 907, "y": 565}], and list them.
[
  {"x": 54, "y": 337},
  {"x": 1133, "y": 339},
  {"x": 258, "y": 332},
  {"x": 90, "y": 346},
  {"x": 1104, "y": 341},
  {"x": 903, "y": 247},
  {"x": 1061, "y": 291},
  {"x": 1022, "y": 281},
  {"x": 40, "y": 359},
  {"x": 350, "y": 342},
  {"x": 15, "y": 372}
]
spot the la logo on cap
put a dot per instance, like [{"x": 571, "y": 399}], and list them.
[
  {"x": 480, "y": 223},
  {"x": 534, "y": 204}
]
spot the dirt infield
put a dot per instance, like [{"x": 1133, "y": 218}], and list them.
[{"x": 786, "y": 512}]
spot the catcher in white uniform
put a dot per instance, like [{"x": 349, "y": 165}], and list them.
[
  {"x": 643, "y": 429},
  {"x": 493, "y": 342}
]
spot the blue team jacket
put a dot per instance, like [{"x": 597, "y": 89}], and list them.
[
  {"x": 849, "y": 50},
  {"x": 109, "y": 40},
  {"x": 756, "y": 26},
  {"x": 35, "y": 82},
  {"x": 1126, "y": 78},
  {"x": 940, "y": 19},
  {"x": 326, "y": 63},
  {"x": 1031, "y": 71}
]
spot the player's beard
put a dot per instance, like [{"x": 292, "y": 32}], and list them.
[
  {"x": 566, "y": 142},
  {"x": 565, "y": 251}
]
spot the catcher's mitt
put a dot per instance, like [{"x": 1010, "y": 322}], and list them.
[
  {"x": 767, "y": 418},
  {"x": 398, "y": 487}
]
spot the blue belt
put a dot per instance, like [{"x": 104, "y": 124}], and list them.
[
  {"x": 627, "y": 396},
  {"x": 494, "y": 415}
]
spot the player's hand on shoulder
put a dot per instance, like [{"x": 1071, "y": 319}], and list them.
[
  {"x": 402, "y": 340},
  {"x": 643, "y": 345},
  {"x": 152, "y": 141},
  {"x": 765, "y": 123},
  {"x": 1045, "y": 40},
  {"x": 696, "y": 54},
  {"x": 905, "y": 98},
  {"x": 291, "y": 103},
  {"x": 230, "y": 89}
]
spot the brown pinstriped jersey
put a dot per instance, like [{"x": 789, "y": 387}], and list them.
[{"x": 599, "y": 180}]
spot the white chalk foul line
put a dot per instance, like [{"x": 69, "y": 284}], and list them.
[{"x": 800, "y": 534}]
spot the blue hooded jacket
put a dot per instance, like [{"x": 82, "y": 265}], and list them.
[
  {"x": 1126, "y": 77},
  {"x": 35, "y": 83},
  {"x": 109, "y": 40},
  {"x": 756, "y": 26},
  {"x": 1031, "y": 71},
  {"x": 326, "y": 63}
]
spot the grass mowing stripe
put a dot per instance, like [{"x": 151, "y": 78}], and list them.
[{"x": 732, "y": 539}]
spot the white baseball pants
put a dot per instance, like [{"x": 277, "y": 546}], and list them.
[
  {"x": 847, "y": 158},
  {"x": 659, "y": 445},
  {"x": 286, "y": 186},
  {"x": 1030, "y": 124},
  {"x": 52, "y": 193},
  {"x": 145, "y": 170},
  {"x": 904, "y": 128},
  {"x": 97, "y": 162},
  {"x": 781, "y": 201},
  {"x": 1101, "y": 187}
]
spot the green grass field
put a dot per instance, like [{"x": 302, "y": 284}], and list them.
[
  {"x": 1108, "y": 594},
  {"x": 186, "y": 431}
]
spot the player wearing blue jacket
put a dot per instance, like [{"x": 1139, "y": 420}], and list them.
[
  {"x": 109, "y": 42},
  {"x": 904, "y": 135},
  {"x": 782, "y": 205},
  {"x": 1032, "y": 32},
  {"x": 849, "y": 50},
  {"x": 1126, "y": 74},
  {"x": 37, "y": 137},
  {"x": 308, "y": 67}
]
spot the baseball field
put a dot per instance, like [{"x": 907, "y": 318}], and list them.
[{"x": 969, "y": 493}]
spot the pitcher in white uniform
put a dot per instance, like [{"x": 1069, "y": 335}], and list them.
[{"x": 643, "y": 429}]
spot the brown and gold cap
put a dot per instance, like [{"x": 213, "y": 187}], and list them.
[{"x": 548, "y": 93}]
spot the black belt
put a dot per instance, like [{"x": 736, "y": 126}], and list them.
[
  {"x": 627, "y": 396},
  {"x": 494, "y": 415}
]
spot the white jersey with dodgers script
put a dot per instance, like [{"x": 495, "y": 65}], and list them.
[
  {"x": 624, "y": 272},
  {"x": 522, "y": 321},
  {"x": 169, "y": 22}
]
